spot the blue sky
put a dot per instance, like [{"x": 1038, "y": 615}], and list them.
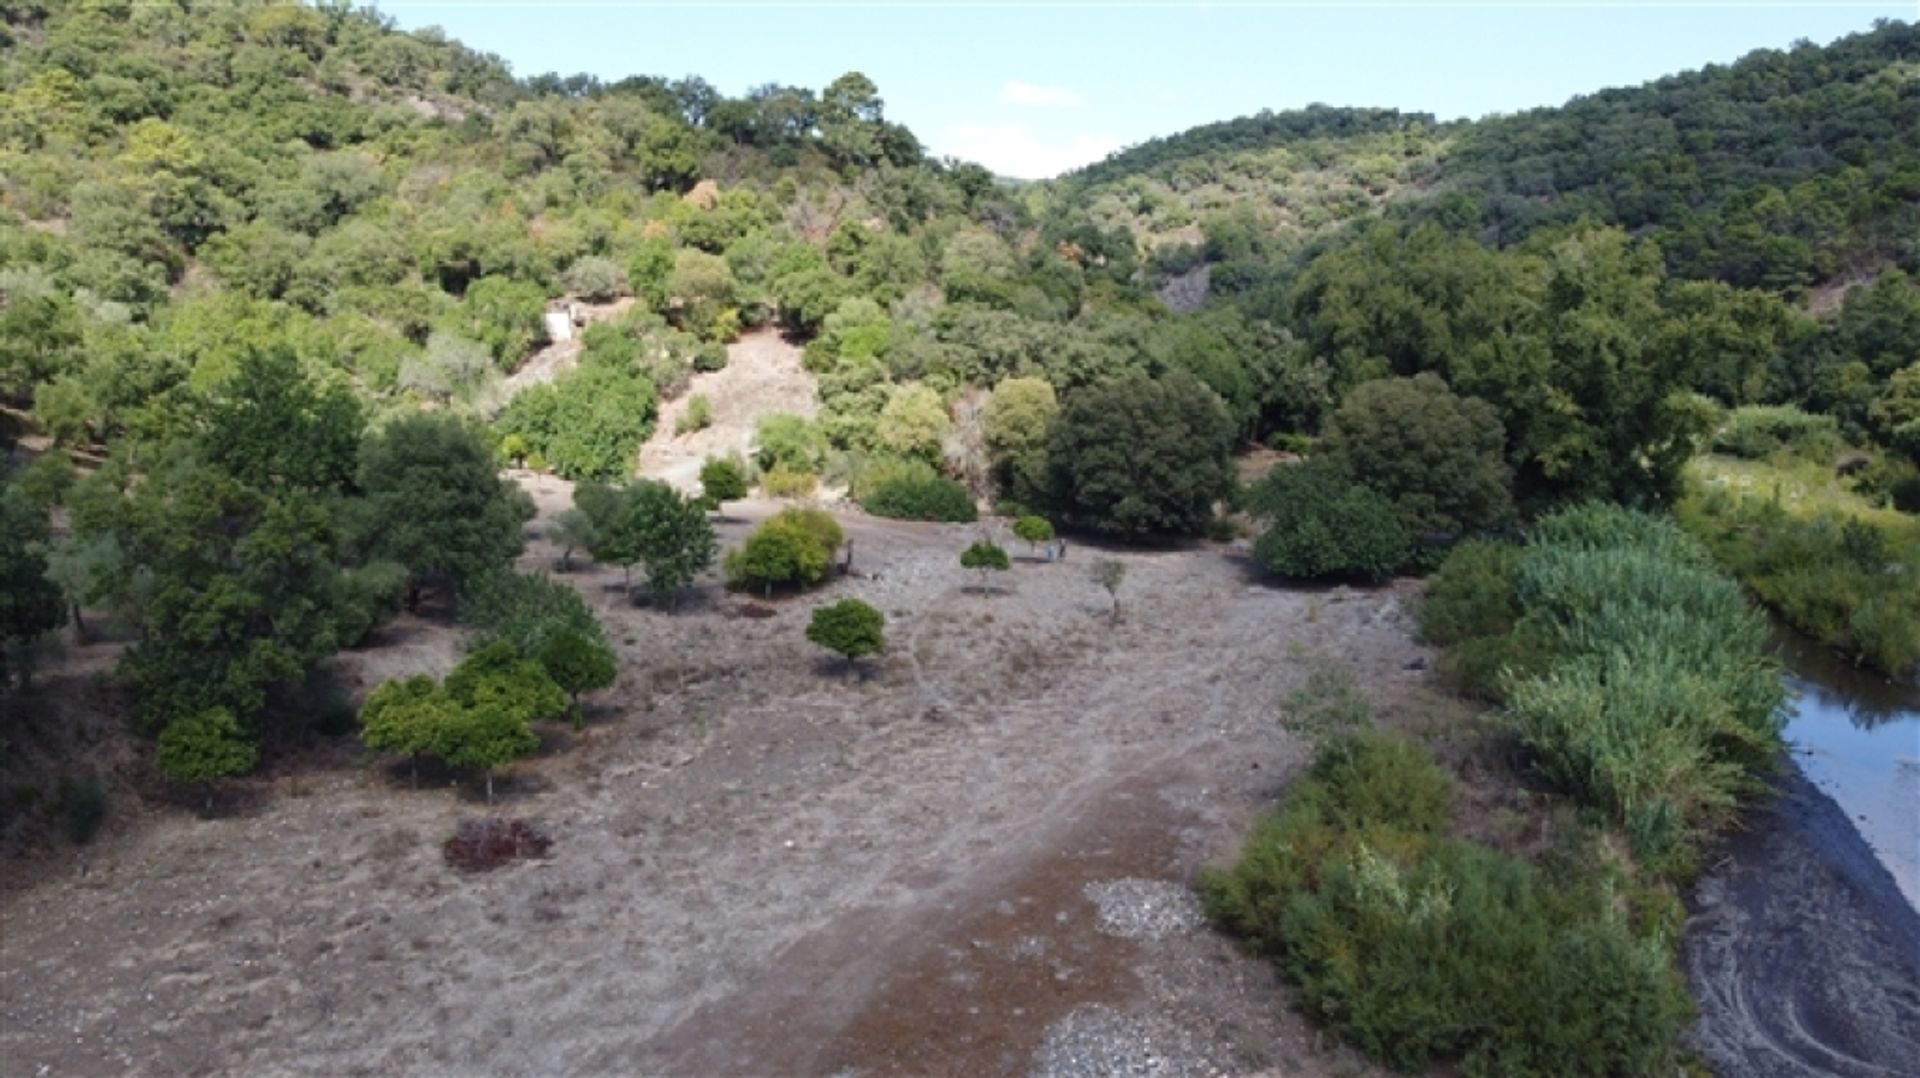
[{"x": 1031, "y": 89}]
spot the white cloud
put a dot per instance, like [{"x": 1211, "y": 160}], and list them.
[
  {"x": 1013, "y": 150},
  {"x": 1016, "y": 92}
]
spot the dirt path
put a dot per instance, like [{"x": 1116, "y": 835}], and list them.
[
  {"x": 761, "y": 864},
  {"x": 763, "y": 376}
]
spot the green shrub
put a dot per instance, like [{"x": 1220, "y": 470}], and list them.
[
  {"x": 1758, "y": 431},
  {"x": 366, "y": 596},
  {"x": 792, "y": 548},
  {"x": 712, "y": 356},
  {"x": 910, "y": 490},
  {"x": 595, "y": 279},
  {"x": 938, "y": 498},
  {"x": 1886, "y": 630},
  {"x": 1838, "y": 570},
  {"x": 588, "y": 423},
  {"x": 781, "y": 482},
  {"x": 1325, "y": 526},
  {"x": 1639, "y": 739},
  {"x": 1287, "y": 441},
  {"x": 1328, "y": 704},
  {"x": 698, "y": 416},
  {"x": 723, "y": 479},
  {"x": 204, "y": 747},
  {"x": 792, "y": 441},
  {"x": 1424, "y": 951},
  {"x": 1904, "y": 494},
  {"x": 1471, "y": 595}
]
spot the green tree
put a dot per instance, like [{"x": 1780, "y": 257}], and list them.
[
  {"x": 1323, "y": 524},
  {"x": 270, "y": 425},
  {"x": 497, "y": 676},
  {"x": 649, "y": 271},
  {"x": 405, "y": 716},
  {"x": 851, "y": 119},
  {"x": 40, "y": 337},
  {"x": 234, "y": 590},
  {"x": 577, "y": 663},
  {"x": 701, "y": 286},
  {"x": 1896, "y": 414},
  {"x": 913, "y": 423},
  {"x": 1033, "y": 531},
  {"x": 525, "y": 610},
  {"x": 1438, "y": 457},
  {"x": 655, "y": 526},
  {"x": 1139, "y": 457},
  {"x": 984, "y": 556},
  {"x": 850, "y": 627},
  {"x": 203, "y": 748},
  {"x": 571, "y": 529},
  {"x": 1019, "y": 414},
  {"x": 435, "y": 504},
  {"x": 484, "y": 737}
]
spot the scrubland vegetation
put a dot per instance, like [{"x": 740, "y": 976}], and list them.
[{"x": 276, "y": 289}]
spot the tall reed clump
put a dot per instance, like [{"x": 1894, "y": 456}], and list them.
[
  {"x": 1421, "y": 949},
  {"x": 1638, "y": 675}
]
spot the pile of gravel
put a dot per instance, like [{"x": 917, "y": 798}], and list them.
[
  {"x": 1145, "y": 909},
  {"x": 1097, "y": 1042}
]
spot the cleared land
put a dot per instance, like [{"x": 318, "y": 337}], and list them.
[{"x": 762, "y": 864}]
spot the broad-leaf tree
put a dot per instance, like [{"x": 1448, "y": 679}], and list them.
[
  {"x": 1142, "y": 456},
  {"x": 435, "y": 504}
]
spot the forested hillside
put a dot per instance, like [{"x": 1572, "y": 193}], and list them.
[{"x": 233, "y": 225}]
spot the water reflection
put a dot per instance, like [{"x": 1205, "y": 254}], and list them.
[
  {"x": 1832, "y": 684},
  {"x": 1857, "y": 737}
]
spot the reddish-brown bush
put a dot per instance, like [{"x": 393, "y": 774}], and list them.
[{"x": 480, "y": 845}]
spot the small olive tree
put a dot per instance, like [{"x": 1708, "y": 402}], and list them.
[
  {"x": 1110, "y": 574},
  {"x": 577, "y": 664},
  {"x": 850, "y": 627},
  {"x": 1033, "y": 531},
  {"x": 404, "y": 716},
  {"x": 984, "y": 557}
]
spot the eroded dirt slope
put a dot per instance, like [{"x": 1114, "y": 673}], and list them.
[{"x": 763, "y": 376}]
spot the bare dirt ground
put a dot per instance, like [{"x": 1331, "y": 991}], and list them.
[
  {"x": 763, "y": 864},
  {"x": 763, "y": 375}
]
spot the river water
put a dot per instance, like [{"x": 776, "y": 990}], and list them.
[
  {"x": 1803, "y": 942},
  {"x": 1856, "y": 737}
]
